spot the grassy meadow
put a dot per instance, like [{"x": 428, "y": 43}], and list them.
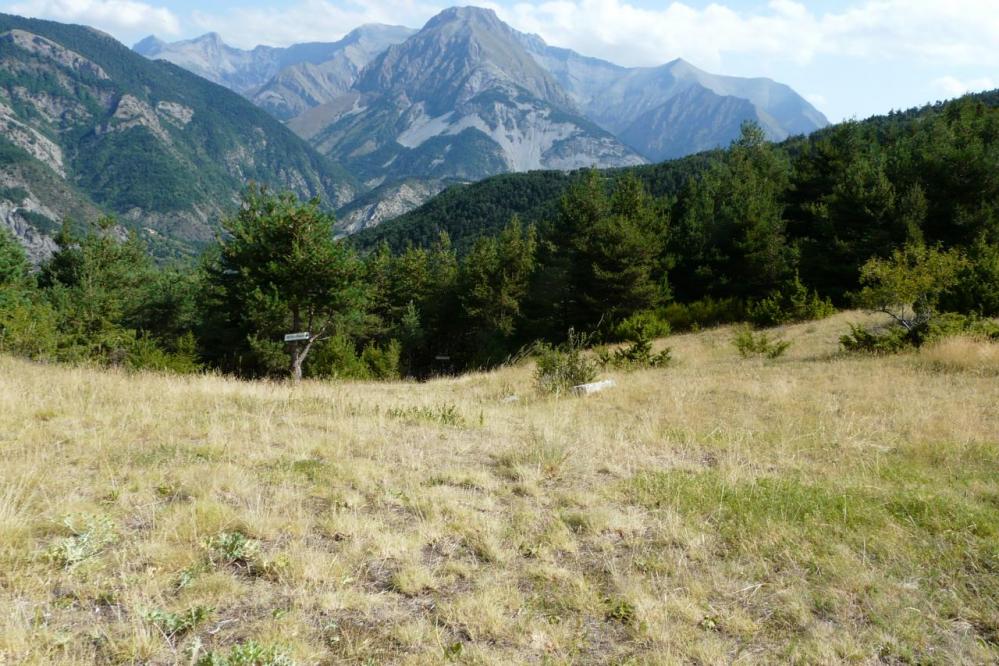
[{"x": 816, "y": 509}]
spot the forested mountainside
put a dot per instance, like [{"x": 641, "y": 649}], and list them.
[
  {"x": 467, "y": 97},
  {"x": 468, "y": 212},
  {"x": 89, "y": 126},
  {"x": 897, "y": 213}
]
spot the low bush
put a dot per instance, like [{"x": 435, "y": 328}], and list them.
[
  {"x": 559, "y": 368},
  {"x": 636, "y": 356},
  {"x": 751, "y": 344},
  {"x": 890, "y": 340},
  {"x": 794, "y": 303},
  {"x": 146, "y": 354},
  {"x": 703, "y": 314},
  {"x": 337, "y": 358},
  {"x": 645, "y": 324},
  {"x": 895, "y": 338}
]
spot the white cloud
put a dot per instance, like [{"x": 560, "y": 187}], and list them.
[
  {"x": 311, "y": 20},
  {"x": 954, "y": 87},
  {"x": 112, "y": 15},
  {"x": 954, "y": 32}
]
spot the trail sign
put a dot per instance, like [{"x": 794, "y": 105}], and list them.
[{"x": 296, "y": 337}]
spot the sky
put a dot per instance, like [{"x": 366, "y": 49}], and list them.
[{"x": 850, "y": 58}]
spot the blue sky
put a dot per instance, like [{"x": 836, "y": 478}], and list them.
[{"x": 851, "y": 58}]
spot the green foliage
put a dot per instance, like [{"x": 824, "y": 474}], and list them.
[
  {"x": 621, "y": 610},
  {"x": 337, "y": 358},
  {"x": 29, "y": 325},
  {"x": 731, "y": 236},
  {"x": 951, "y": 324},
  {"x": 247, "y": 654},
  {"x": 751, "y": 344},
  {"x": 889, "y": 340},
  {"x": 977, "y": 286},
  {"x": 560, "y": 368},
  {"x": 15, "y": 195},
  {"x": 704, "y": 313},
  {"x": 382, "y": 362},
  {"x": 647, "y": 323},
  {"x": 173, "y": 169},
  {"x": 895, "y": 338},
  {"x": 89, "y": 535},
  {"x": 146, "y": 354},
  {"x": 446, "y": 415},
  {"x": 637, "y": 355},
  {"x": 233, "y": 549},
  {"x": 791, "y": 304},
  {"x": 178, "y": 624},
  {"x": 279, "y": 271},
  {"x": 908, "y": 286},
  {"x": 492, "y": 284},
  {"x": 13, "y": 260}
]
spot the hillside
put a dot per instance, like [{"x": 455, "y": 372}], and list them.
[
  {"x": 467, "y": 212},
  {"x": 817, "y": 509},
  {"x": 470, "y": 212},
  {"x": 91, "y": 126}
]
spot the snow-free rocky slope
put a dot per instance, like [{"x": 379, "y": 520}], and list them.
[
  {"x": 90, "y": 127},
  {"x": 285, "y": 81},
  {"x": 675, "y": 109},
  {"x": 468, "y": 97},
  {"x": 460, "y": 99}
]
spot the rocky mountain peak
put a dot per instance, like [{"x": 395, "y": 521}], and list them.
[
  {"x": 460, "y": 53},
  {"x": 468, "y": 15},
  {"x": 150, "y": 45}
]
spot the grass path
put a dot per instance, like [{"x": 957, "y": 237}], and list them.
[{"x": 814, "y": 509}]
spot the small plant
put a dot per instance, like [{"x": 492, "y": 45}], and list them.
[
  {"x": 233, "y": 549},
  {"x": 247, "y": 654},
  {"x": 563, "y": 367},
  {"x": 621, "y": 610},
  {"x": 89, "y": 535},
  {"x": 863, "y": 340},
  {"x": 178, "y": 624},
  {"x": 649, "y": 324},
  {"x": 759, "y": 344},
  {"x": 791, "y": 304},
  {"x": 446, "y": 415},
  {"x": 637, "y": 355}
]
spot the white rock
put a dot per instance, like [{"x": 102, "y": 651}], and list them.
[{"x": 589, "y": 389}]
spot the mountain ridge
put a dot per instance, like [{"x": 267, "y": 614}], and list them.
[{"x": 91, "y": 127}]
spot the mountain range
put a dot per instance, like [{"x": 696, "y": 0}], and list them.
[
  {"x": 90, "y": 127},
  {"x": 374, "y": 124}
]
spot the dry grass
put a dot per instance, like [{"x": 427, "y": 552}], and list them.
[
  {"x": 814, "y": 509},
  {"x": 963, "y": 354}
]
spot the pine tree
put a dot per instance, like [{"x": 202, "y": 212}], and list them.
[{"x": 278, "y": 271}]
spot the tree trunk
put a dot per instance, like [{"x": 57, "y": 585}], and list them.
[
  {"x": 297, "y": 353},
  {"x": 297, "y": 359}
]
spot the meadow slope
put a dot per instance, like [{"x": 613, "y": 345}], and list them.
[{"x": 814, "y": 509}]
